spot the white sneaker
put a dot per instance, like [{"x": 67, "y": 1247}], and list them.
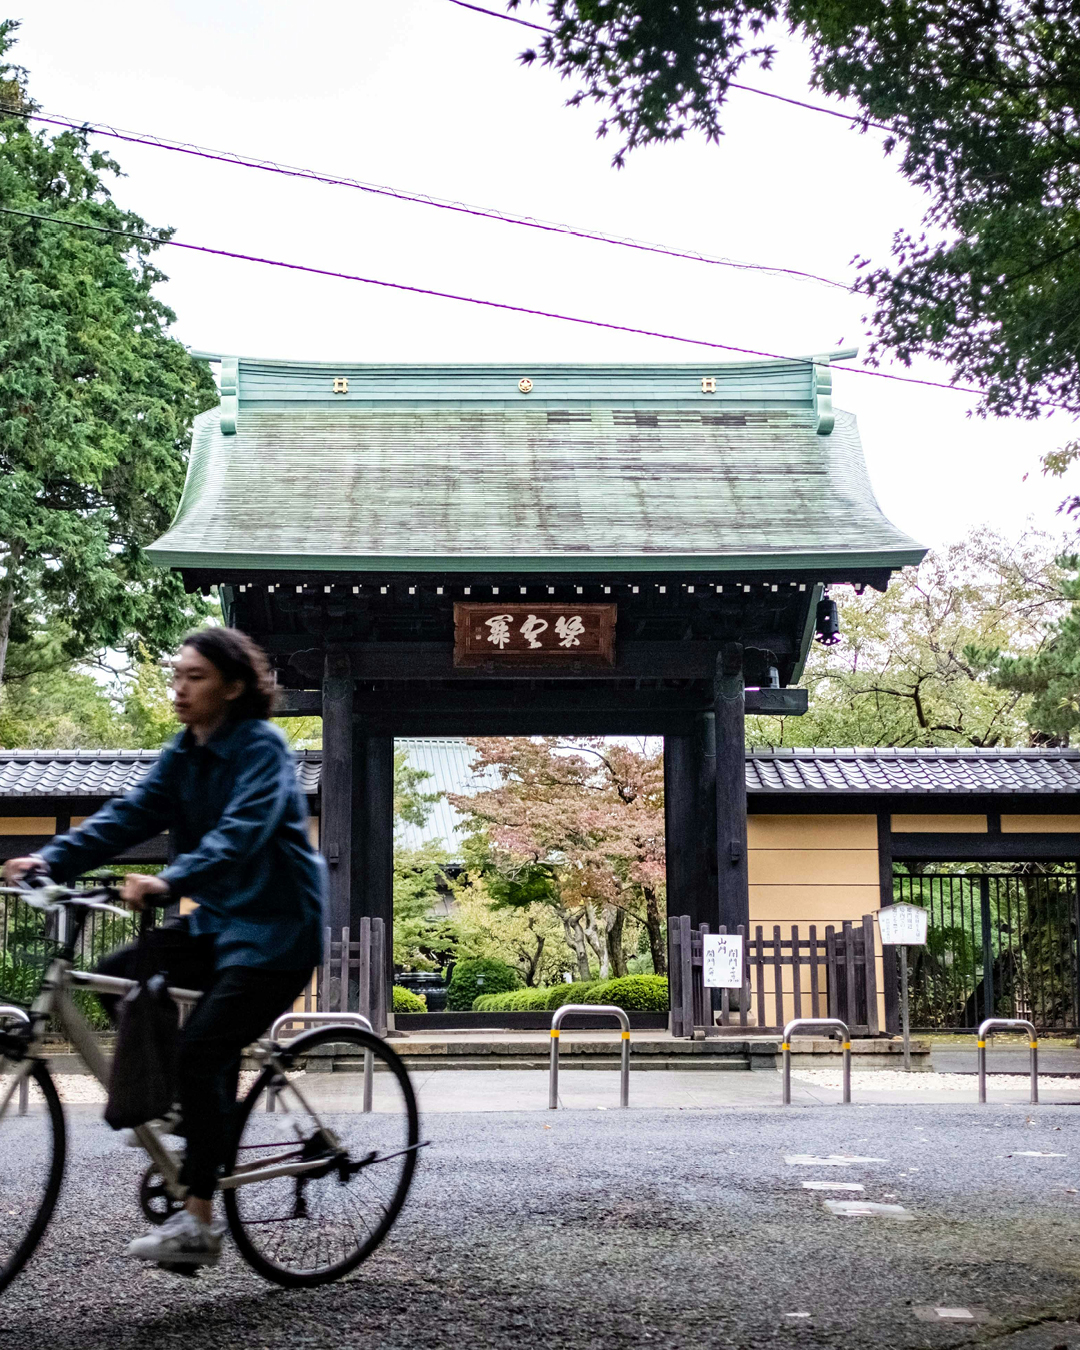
[{"x": 182, "y": 1240}]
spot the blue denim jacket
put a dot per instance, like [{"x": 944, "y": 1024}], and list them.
[{"x": 239, "y": 823}]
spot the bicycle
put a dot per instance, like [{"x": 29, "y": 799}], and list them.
[{"x": 307, "y": 1199}]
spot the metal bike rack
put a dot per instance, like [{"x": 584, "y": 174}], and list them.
[
  {"x": 328, "y": 1019},
  {"x": 606, "y": 1009},
  {"x": 19, "y": 1014},
  {"x": 832, "y": 1024},
  {"x": 1008, "y": 1024}
]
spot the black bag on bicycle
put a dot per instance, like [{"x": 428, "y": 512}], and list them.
[{"x": 142, "y": 1085}]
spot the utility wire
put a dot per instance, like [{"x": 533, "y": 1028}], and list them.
[
  {"x": 746, "y": 88},
  {"x": 421, "y": 199},
  {"x": 473, "y": 300}
]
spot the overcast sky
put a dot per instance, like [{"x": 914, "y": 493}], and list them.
[{"x": 423, "y": 95}]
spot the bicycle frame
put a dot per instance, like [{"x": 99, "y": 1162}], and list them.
[{"x": 54, "y": 1000}]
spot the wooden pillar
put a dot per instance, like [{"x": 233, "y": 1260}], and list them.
[
  {"x": 689, "y": 812},
  {"x": 336, "y": 787},
  {"x": 889, "y": 955},
  {"x": 373, "y": 835},
  {"x": 733, "y": 892}
]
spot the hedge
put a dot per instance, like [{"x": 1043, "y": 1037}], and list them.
[
  {"x": 405, "y": 1001},
  {"x": 465, "y": 988},
  {"x": 559, "y": 994},
  {"x": 634, "y": 993}
]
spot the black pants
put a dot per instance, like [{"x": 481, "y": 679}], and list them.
[{"x": 238, "y": 1005}]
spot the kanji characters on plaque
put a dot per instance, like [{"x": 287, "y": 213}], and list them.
[{"x": 541, "y": 632}]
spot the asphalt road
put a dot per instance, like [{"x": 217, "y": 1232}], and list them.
[{"x": 613, "y": 1229}]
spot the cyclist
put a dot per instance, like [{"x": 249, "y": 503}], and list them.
[{"x": 226, "y": 790}]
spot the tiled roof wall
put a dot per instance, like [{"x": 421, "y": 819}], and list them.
[{"x": 103, "y": 773}]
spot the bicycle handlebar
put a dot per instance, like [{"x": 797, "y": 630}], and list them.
[{"x": 51, "y": 897}]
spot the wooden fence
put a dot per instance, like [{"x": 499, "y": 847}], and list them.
[
  {"x": 352, "y": 977},
  {"x": 822, "y": 974}
]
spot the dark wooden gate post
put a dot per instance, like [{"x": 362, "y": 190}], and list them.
[
  {"x": 336, "y": 786},
  {"x": 733, "y": 892},
  {"x": 689, "y": 813},
  {"x": 373, "y": 837}
]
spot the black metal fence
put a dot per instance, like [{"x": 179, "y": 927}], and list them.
[
  {"x": 28, "y": 939},
  {"x": 999, "y": 944}
]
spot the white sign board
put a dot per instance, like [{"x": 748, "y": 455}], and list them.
[
  {"x": 722, "y": 960},
  {"x": 903, "y": 925}
]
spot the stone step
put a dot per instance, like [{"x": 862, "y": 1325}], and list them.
[{"x": 430, "y": 1063}]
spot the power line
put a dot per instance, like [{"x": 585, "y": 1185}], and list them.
[
  {"x": 496, "y": 15},
  {"x": 746, "y": 88},
  {"x": 416, "y": 198},
  {"x": 473, "y": 300}
]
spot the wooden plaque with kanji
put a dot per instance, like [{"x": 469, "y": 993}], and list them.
[{"x": 517, "y": 634}]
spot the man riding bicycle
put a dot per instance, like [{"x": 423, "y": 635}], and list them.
[{"x": 226, "y": 790}]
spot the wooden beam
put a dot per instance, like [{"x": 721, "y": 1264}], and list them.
[
  {"x": 413, "y": 661},
  {"x": 986, "y": 847},
  {"x": 733, "y": 888},
  {"x": 336, "y": 786},
  {"x": 299, "y": 703},
  {"x": 413, "y": 721},
  {"x": 149, "y": 851},
  {"x": 777, "y": 702},
  {"x": 524, "y": 699}
]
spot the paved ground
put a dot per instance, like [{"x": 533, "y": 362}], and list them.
[{"x": 653, "y": 1227}]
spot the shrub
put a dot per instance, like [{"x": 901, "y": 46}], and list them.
[
  {"x": 634, "y": 993},
  {"x": 464, "y": 986},
  {"x": 514, "y": 1000},
  {"x": 559, "y": 994},
  {"x": 405, "y": 1001}
]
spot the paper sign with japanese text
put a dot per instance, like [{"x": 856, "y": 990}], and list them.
[
  {"x": 903, "y": 925},
  {"x": 722, "y": 960}
]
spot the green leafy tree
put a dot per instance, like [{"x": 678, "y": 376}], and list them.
[
  {"x": 912, "y": 666},
  {"x": 980, "y": 101},
  {"x": 1048, "y": 679},
  {"x": 96, "y": 405},
  {"x": 66, "y": 708},
  {"x": 425, "y": 935}
]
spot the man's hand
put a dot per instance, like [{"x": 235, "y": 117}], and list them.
[
  {"x": 15, "y": 869},
  {"x": 138, "y": 888}
]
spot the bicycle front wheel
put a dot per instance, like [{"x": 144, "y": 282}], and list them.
[
  {"x": 315, "y": 1225},
  {"x": 32, "y": 1152}
]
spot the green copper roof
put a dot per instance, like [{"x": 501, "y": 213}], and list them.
[{"x": 632, "y": 468}]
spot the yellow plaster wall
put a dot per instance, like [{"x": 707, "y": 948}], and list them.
[
  {"x": 1040, "y": 824},
  {"x": 916, "y": 824},
  {"x": 27, "y": 825},
  {"x": 810, "y": 869}
]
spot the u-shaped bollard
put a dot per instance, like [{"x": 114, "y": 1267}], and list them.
[
  {"x": 328, "y": 1019},
  {"x": 832, "y": 1024},
  {"x": 608, "y": 1009},
  {"x": 19, "y": 1015},
  {"x": 1008, "y": 1024}
]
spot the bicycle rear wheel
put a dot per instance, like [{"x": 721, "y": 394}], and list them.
[
  {"x": 311, "y": 1228},
  {"x": 32, "y": 1152}
]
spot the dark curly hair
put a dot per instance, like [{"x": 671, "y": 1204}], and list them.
[{"x": 238, "y": 658}]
